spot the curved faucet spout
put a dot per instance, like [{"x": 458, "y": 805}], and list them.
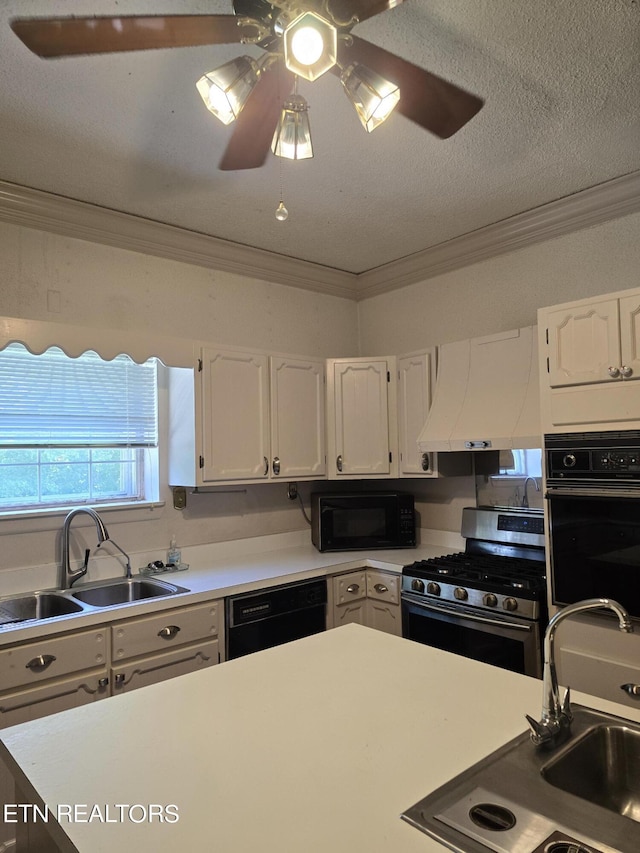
[
  {"x": 556, "y": 716},
  {"x": 69, "y": 575}
]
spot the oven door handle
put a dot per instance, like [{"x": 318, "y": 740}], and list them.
[
  {"x": 464, "y": 614},
  {"x": 576, "y": 492}
]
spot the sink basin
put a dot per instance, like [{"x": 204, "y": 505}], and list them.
[
  {"x": 37, "y": 605},
  {"x": 582, "y": 797},
  {"x": 603, "y": 767},
  {"x": 124, "y": 592}
]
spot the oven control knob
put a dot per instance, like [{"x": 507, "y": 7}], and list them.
[
  {"x": 569, "y": 460},
  {"x": 461, "y": 593},
  {"x": 510, "y": 604},
  {"x": 417, "y": 585},
  {"x": 490, "y": 600},
  {"x": 433, "y": 588}
]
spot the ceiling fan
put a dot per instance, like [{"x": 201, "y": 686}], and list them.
[{"x": 421, "y": 96}]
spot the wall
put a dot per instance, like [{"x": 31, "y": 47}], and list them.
[
  {"x": 497, "y": 295},
  {"x": 48, "y": 277}
]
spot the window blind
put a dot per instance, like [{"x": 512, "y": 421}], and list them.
[{"x": 52, "y": 400}]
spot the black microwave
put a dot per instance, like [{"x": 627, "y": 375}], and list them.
[{"x": 361, "y": 521}]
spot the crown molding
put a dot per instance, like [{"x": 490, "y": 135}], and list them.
[
  {"x": 59, "y": 215},
  {"x": 593, "y": 206},
  {"x": 71, "y": 218}
]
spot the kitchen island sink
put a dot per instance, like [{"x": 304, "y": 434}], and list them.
[{"x": 582, "y": 797}]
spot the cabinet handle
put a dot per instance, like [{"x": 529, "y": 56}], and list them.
[
  {"x": 380, "y": 587},
  {"x": 353, "y": 587},
  {"x": 632, "y": 690},
  {"x": 119, "y": 678},
  {"x": 40, "y": 663},
  {"x": 339, "y": 463},
  {"x": 169, "y": 632},
  {"x": 614, "y": 372},
  {"x": 425, "y": 461},
  {"x": 103, "y": 682},
  {"x": 275, "y": 467},
  {"x": 266, "y": 465},
  {"x": 626, "y": 371}
]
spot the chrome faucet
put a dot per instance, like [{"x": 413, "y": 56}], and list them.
[
  {"x": 525, "y": 499},
  {"x": 69, "y": 575},
  {"x": 555, "y": 723}
]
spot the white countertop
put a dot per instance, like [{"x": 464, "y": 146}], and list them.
[
  {"x": 235, "y": 567},
  {"x": 314, "y": 746}
]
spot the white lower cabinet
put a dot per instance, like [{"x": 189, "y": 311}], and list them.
[
  {"x": 368, "y": 597},
  {"x": 20, "y": 706},
  {"x": 149, "y": 649}
]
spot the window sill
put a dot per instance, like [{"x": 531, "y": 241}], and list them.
[{"x": 52, "y": 519}]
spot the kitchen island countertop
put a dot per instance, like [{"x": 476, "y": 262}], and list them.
[{"x": 314, "y": 746}]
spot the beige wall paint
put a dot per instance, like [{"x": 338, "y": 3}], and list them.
[
  {"x": 497, "y": 295},
  {"x": 99, "y": 286},
  {"x": 504, "y": 292}
]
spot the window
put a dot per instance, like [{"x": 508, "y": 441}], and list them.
[
  {"x": 76, "y": 431},
  {"x": 521, "y": 463}
]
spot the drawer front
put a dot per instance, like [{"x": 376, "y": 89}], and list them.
[
  {"x": 382, "y": 586},
  {"x": 52, "y": 657},
  {"x": 600, "y": 677},
  {"x": 151, "y": 670},
  {"x": 35, "y": 702},
  {"x": 350, "y": 587},
  {"x": 162, "y": 631}
]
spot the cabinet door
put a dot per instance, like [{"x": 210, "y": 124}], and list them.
[
  {"x": 583, "y": 343},
  {"x": 361, "y": 432},
  {"x": 384, "y": 617},
  {"x": 235, "y": 416},
  {"x": 297, "y": 419},
  {"x": 630, "y": 336},
  {"x": 59, "y": 695},
  {"x": 414, "y": 401},
  {"x": 351, "y": 613},
  {"x": 155, "y": 668}
]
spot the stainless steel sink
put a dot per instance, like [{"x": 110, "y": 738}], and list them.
[
  {"x": 124, "y": 591},
  {"x": 603, "y": 767},
  {"x": 582, "y": 797},
  {"x": 37, "y": 605}
]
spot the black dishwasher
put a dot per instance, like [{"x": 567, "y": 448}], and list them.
[{"x": 260, "y": 620}]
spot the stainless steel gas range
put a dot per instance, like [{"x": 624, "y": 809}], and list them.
[{"x": 488, "y": 602}]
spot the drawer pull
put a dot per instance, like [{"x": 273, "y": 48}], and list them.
[
  {"x": 119, "y": 679},
  {"x": 353, "y": 587},
  {"x": 632, "y": 690},
  {"x": 40, "y": 663},
  {"x": 103, "y": 682},
  {"x": 380, "y": 587},
  {"x": 169, "y": 632}
]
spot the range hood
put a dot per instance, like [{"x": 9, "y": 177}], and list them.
[{"x": 487, "y": 395}]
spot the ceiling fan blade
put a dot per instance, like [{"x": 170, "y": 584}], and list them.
[
  {"x": 55, "y": 37},
  {"x": 344, "y": 11},
  {"x": 428, "y": 100},
  {"x": 255, "y": 126}
]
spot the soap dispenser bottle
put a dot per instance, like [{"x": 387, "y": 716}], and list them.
[{"x": 174, "y": 555}]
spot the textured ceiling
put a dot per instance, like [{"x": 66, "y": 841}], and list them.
[{"x": 561, "y": 80}]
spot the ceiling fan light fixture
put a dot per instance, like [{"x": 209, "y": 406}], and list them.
[
  {"x": 373, "y": 97},
  {"x": 310, "y": 46},
  {"x": 226, "y": 89},
  {"x": 292, "y": 139}
]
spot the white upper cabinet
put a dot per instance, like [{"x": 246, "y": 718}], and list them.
[
  {"x": 235, "y": 415},
  {"x": 416, "y": 377},
  {"x": 297, "y": 418},
  {"x": 249, "y": 417},
  {"x": 590, "y": 355},
  {"x": 362, "y": 422}
]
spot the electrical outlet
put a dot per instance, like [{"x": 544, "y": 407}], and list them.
[
  {"x": 179, "y": 497},
  {"x": 292, "y": 491}
]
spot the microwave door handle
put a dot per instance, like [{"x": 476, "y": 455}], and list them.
[{"x": 573, "y": 492}]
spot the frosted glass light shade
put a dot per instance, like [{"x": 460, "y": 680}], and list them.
[
  {"x": 226, "y": 89},
  {"x": 292, "y": 138},
  {"x": 373, "y": 97},
  {"x": 310, "y": 46}
]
